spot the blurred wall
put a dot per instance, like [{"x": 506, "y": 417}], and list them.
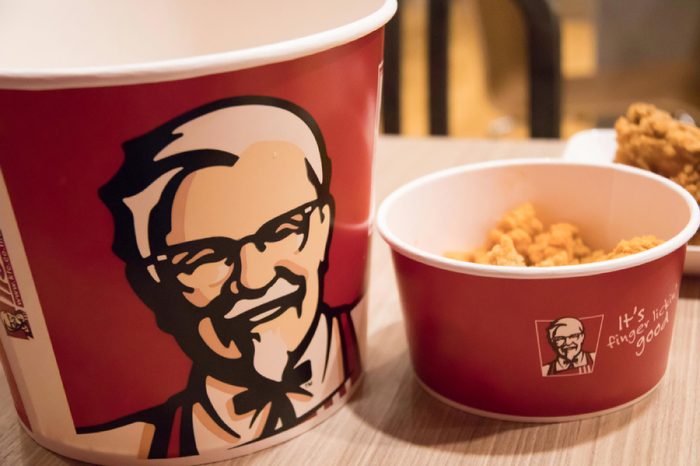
[{"x": 631, "y": 32}]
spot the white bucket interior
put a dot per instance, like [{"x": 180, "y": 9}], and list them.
[
  {"x": 48, "y": 38},
  {"x": 49, "y": 34}
]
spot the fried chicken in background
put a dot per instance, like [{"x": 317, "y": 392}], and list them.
[{"x": 650, "y": 138}]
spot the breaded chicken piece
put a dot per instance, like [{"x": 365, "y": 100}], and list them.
[
  {"x": 624, "y": 248},
  {"x": 523, "y": 218},
  {"x": 520, "y": 224},
  {"x": 561, "y": 244},
  {"x": 633, "y": 246},
  {"x": 650, "y": 138},
  {"x": 689, "y": 178},
  {"x": 503, "y": 253}
]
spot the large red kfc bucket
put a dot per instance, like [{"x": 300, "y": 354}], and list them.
[{"x": 184, "y": 220}]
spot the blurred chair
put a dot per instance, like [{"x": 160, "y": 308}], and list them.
[
  {"x": 391, "y": 88},
  {"x": 544, "y": 68}
]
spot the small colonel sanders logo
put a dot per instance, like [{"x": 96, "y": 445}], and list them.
[
  {"x": 13, "y": 317},
  {"x": 568, "y": 345}
]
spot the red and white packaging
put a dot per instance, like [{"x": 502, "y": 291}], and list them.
[{"x": 185, "y": 207}]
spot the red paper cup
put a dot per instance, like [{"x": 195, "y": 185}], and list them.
[
  {"x": 184, "y": 219},
  {"x": 538, "y": 343}
]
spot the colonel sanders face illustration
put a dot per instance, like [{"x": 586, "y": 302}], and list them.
[
  {"x": 223, "y": 218},
  {"x": 566, "y": 338}
]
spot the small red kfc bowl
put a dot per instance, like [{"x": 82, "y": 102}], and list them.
[{"x": 484, "y": 338}]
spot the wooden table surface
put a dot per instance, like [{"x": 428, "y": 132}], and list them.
[{"x": 391, "y": 420}]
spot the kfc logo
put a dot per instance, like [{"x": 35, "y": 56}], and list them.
[
  {"x": 14, "y": 318},
  {"x": 223, "y": 218},
  {"x": 16, "y": 322},
  {"x": 568, "y": 345}
]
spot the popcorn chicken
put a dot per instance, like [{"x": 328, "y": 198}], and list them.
[
  {"x": 520, "y": 239},
  {"x": 501, "y": 253},
  {"x": 633, "y": 246},
  {"x": 520, "y": 225},
  {"x": 561, "y": 244}
]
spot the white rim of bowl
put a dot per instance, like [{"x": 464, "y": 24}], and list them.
[
  {"x": 195, "y": 66},
  {"x": 564, "y": 271}
]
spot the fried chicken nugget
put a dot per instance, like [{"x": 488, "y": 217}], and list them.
[
  {"x": 504, "y": 253},
  {"x": 560, "y": 245},
  {"x": 520, "y": 224}
]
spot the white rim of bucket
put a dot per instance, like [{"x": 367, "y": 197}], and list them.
[
  {"x": 565, "y": 271},
  {"x": 191, "y": 67}
]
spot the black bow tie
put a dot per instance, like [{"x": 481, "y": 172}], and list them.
[{"x": 265, "y": 391}]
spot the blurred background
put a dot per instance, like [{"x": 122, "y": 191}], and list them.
[{"x": 590, "y": 59}]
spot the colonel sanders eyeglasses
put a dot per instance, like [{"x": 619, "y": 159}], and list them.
[
  {"x": 208, "y": 261},
  {"x": 565, "y": 338}
]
